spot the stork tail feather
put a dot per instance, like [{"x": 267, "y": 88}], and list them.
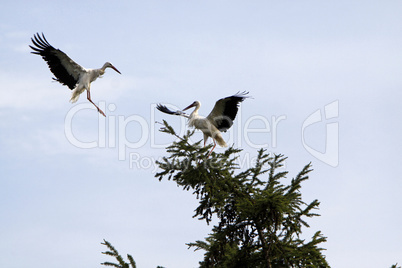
[
  {"x": 219, "y": 139},
  {"x": 75, "y": 96}
]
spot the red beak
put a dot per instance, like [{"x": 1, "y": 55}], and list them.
[
  {"x": 114, "y": 68},
  {"x": 188, "y": 107}
]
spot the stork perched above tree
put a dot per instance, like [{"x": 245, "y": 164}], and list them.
[
  {"x": 220, "y": 119},
  {"x": 67, "y": 71}
]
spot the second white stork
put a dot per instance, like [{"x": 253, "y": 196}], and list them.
[
  {"x": 220, "y": 119},
  {"x": 67, "y": 71}
]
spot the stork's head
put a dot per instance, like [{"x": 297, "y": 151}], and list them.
[
  {"x": 195, "y": 104},
  {"x": 109, "y": 65}
]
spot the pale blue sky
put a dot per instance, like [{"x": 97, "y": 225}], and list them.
[{"x": 60, "y": 200}]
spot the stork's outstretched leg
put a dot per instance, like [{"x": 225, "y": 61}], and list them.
[
  {"x": 212, "y": 147},
  {"x": 89, "y": 98},
  {"x": 205, "y": 139}
]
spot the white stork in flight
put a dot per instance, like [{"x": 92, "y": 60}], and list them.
[
  {"x": 67, "y": 71},
  {"x": 220, "y": 119}
]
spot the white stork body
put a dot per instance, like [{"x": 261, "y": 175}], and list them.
[
  {"x": 205, "y": 125},
  {"x": 67, "y": 71},
  {"x": 220, "y": 119}
]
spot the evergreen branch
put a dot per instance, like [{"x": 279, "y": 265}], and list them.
[
  {"x": 131, "y": 260},
  {"x": 199, "y": 245},
  {"x": 114, "y": 253},
  {"x": 111, "y": 264}
]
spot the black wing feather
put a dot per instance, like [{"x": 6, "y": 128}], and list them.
[
  {"x": 54, "y": 58},
  {"x": 166, "y": 110},
  {"x": 225, "y": 110}
]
